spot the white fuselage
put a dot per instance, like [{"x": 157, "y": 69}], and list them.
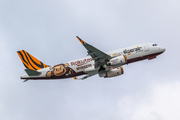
[
  {"x": 84, "y": 64},
  {"x": 133, "y": 54}
]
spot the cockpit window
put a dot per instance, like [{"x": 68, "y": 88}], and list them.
[{"x": 154, "y": 45}]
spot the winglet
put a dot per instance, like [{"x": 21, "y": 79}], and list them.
[{"x": 80, "y": 40}]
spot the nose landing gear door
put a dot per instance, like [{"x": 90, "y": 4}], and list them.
[{"x": 146, "y": 48}]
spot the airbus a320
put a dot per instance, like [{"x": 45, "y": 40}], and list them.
[{"x": 106, "y": 65}]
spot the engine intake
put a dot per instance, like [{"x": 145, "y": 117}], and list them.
[{"x": 120, "y": 60}]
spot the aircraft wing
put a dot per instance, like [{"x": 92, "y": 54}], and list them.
[{"x": 99, "y": 57}]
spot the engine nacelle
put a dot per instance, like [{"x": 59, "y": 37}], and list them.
[
  {"x": 120, "y": 60},
  {"x": 114, "y": 72}
]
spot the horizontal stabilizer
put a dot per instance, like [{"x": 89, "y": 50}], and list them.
[{"x": 32, "y": 72}]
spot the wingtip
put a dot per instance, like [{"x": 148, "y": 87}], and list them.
[{"x": 82, "y": 42}]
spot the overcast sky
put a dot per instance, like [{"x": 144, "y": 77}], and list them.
[{"x": 47, "y": 29}]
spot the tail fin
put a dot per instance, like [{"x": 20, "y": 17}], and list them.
[{"x": 29, "y": 61}]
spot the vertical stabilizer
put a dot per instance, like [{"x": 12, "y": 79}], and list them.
[{"x": 30, "y": 62}]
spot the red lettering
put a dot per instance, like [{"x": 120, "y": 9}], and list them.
[
  {"x": 72, "y": 63},
  {"x": 81, "y": 62}
]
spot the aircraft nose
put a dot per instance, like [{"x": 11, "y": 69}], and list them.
[{"x": 162, "y": 49}]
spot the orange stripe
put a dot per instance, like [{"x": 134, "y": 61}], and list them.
[
  {"x": 29, "y": 66},
  {"x": 24, "y": 56},
  {"x": 32, "y": 62},
  {"x": 82, "y": 42},
  {"x": 22, "y": 60},
  {"x": 125, "y": 58},
  {"x": 122, "y": 71},
  {"x": 36, "y": 60}
]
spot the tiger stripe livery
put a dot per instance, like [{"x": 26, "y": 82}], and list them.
[{"x": 29, "y": 61}]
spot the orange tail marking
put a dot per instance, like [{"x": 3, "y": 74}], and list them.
[
  {"x": 82, "y": 42},
  {"x": 30, "y": 61}
]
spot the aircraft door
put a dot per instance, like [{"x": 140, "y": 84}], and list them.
[{"x": 146, "y": 48}]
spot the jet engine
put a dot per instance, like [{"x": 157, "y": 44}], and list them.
[
  {"x": 111, "y": 73},
  {"x": 120, "y": 60},
  {"x": 114, "y": 72}
]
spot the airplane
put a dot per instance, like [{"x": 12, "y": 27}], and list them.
[{"x": 107, "y": 65}]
